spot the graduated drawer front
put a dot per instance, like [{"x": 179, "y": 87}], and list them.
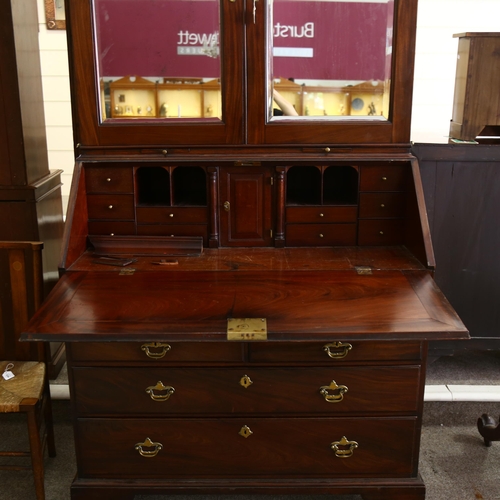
[
  {"x": 320, "y": 234},
  {"x": 295, "y": 447},
  {"x": 381, "y": 232},
  {"x": 171, "y": 215},
  {"x": 379, "y": 205},
  {"x": 334, "y": 352},
  {"x": 111, "y": 227},
  {"x": 321, "y": 214},
  {"x": 384, "y": 178},
  {"x": 111, "y": 206},
  {"x": 156, "y": 352},
  {"x": 111, "y": 391},
  {"x": 109, "y": 179}
]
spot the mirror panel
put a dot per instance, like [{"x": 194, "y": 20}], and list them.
[
  {"x": 158, "y": 59},
  {"x": 330, "y": 59}
]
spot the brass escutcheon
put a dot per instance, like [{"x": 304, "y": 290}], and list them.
[
  {"x": 245, "y": 431},
  {"x": 166, "y": 389},
  {"x": 337, "y": 392},
  {"x": 337, "y": 350},
  {"x": 164, "y": 348},
  {"x": 148, "y": 444},
  {"x": 246, "y": 381},
  {"x": 344, "y": 448}
]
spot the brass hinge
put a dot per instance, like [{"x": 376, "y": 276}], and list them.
[
  {"x": 271, "y": 232},
  {"x": 272, "y": 181}
]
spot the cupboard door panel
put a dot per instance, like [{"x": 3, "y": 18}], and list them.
[
  {"x": 215, "y": 447},
  {"x": 245, "y": 206}
]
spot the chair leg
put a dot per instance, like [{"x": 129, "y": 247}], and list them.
[
  {"x": 49, "y": 424},
  {"x": 36, "y": 453}
]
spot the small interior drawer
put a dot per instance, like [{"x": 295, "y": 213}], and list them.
[
  {"x": 380, "y": 205},
  {"x": 171, "y": 215},
  {"x": 100, "y": 179},
  {"x": 381, "y": 232},
  {"x": 107, "y": 227},
  {"x": 384, "y": 178},
  {"x": 321, "y": 214},
  {"x": 320, "y": 234},
  {"x": 111, "y": 206}
]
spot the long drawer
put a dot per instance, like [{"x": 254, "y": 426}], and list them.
[
  {"x": 246, "y": 390},
  {"x": 247, "y": 447},
  {"x": 325, "y": 353}
]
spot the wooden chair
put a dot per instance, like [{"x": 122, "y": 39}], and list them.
[
  {"x": 21, "y": 291},
  {"x": 28, "y": 392}
]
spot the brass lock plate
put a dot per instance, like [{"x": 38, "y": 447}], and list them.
[{"x": 246, "y": 329}]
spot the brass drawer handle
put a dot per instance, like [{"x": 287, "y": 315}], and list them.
[
  {"x": 167, "y": 389},
  {"x": 337, "y": 350},
  {"x": 164, "y": 348},
  {"x": 337, "y": 392},
  {"x": 344, "y": 448},
  {"x": 227, "y": 206},
  {"x": 148, "y": 444}
]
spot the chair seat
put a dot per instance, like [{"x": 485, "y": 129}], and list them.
[{"x": 27, "y": 383}]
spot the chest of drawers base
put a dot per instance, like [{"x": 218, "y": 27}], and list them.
[{"x": 227, "y": 418}]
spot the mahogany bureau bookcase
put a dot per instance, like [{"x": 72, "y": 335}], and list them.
[{"x": 246, "y": 296}]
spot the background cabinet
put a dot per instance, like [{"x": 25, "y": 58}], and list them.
[
  {"x": 30, "y": 194},
  {"x": 476, "y": 104}
]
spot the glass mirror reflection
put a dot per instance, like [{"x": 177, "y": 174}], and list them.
[
  {"x": 330, "y": 59},
  {"x": 158, "y": 59}
]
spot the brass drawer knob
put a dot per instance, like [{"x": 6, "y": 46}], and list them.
[
  {"x": 321, "y": 215},
  {"x": 382, "y": 205},
  {"x": 110, "y": 207},
  {"x": 108, "y": 179},
  {"x": 333, "y": 393},
  {"x": 170, "y": 215},
  {"x": 155, "y": 350},
  {"x": 166, "y": 391},
  {"x": 344, "y": 448},
  {"x": 321, "y": 236},
  {"x": 381, "y": 232},
  {"x": 337, "y": 350},
  {"x": 156, "y": 447},
  {"x": 384, "y": 178}
]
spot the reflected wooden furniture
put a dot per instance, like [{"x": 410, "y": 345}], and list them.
[
  {"x": 287, "y": 354},
  {"x": 476, "y": 105},
  {"x": 30, "y": 193},
  {"x": 28, "y": 392}
]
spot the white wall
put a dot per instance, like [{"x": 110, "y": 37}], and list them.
[{"x": 435, "y": 67}]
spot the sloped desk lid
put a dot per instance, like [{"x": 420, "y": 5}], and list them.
[{"x": 195, "y": 306}]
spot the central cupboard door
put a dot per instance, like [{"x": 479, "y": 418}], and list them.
[{"x": 246, "y": 206}]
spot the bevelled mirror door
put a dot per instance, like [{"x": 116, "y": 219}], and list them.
[
  {"x": 158, "y": 60},
  {"x": 330, "y": 59}
]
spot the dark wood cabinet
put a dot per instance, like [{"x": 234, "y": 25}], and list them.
[
  {"x": 264, "y": 327},
  {"x": 30, "y": 193}
]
